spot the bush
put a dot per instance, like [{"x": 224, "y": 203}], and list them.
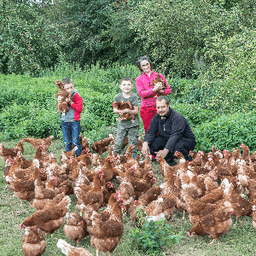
[
  {"x": 194, "y": 113},
  {"x": 229, "y": 81},
  {"x": 30, "y": 119},
  {"x": 98, "y": 104},
  {"x": 28, "y": 105},
  {"x": 24, "y": 89},
  {"x": 26, "y": 39},
  {"x": 227, "y": 132},
  {"x": 153, "y": 235}
]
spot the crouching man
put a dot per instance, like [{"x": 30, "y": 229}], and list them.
[{"x": 169, "y": 131}]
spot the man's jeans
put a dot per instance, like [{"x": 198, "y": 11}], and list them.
[{"x": 71, "y": 133}]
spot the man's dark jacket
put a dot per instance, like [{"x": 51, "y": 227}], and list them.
[{"x": 171, "y": 127}]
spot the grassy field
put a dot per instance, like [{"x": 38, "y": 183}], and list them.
[{"x": 240, "y": 240}]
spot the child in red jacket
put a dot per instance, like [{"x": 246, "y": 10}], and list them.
[{"x": 71, "y": 120}]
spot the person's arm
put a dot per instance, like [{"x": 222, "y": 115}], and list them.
[
  {"x": 143, "y": 90},
  {"x": 77, "y": 103},
  {"x": 130, "y": 111},
  {"x": 168, "y": 89},
  {"x": 145, "y": 149},
  {"x": 115, "y": 110}
]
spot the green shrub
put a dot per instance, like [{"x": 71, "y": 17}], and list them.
[
  {"x": 227, "y": 132},
  {"x": 97, "y": 78},
  {"x": 229, "y": 80},
  {"x": 28, "y": 105},
  {"x": 194, "y": 113},
  {"x": 153, "y": 235},
  {"x": 25, "y": 89},
  {"x": 27, "y": 41},
  {"x": 98, "y": 104},
  {"x": 30, "y": 119}
]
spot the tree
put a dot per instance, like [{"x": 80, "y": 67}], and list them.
[{"x": 25, "y": 39}]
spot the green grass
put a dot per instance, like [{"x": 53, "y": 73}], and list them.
[{"x": 240, "y": 240}]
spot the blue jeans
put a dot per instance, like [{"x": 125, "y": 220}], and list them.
[{"x": 71, "y": 133}]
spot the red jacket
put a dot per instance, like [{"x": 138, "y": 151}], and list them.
[{"x": 75, "y": 109}]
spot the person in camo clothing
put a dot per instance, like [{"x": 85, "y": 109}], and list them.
[{"x": 127, "y": 127}]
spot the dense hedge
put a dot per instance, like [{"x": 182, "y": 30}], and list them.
[
  {"x": 27, "y": 106},
  {"x": 227, "y": 132}
]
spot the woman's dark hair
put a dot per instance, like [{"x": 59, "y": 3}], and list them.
[{"x": 141, "y": 59}]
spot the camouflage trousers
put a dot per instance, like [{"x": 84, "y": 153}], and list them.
[{"x": 132, "y": 134}]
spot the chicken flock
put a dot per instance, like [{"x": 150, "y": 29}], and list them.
[{"x": 211, "y": 188}]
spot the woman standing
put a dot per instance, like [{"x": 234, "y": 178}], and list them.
[{"x": 147, "y": 91}]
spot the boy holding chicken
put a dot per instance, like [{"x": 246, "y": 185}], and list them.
[
  {"x": 71, "y": 120},
  {"x": 129, "y": 128}
]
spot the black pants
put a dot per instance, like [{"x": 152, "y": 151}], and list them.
[{"x": 183, "y": 145}]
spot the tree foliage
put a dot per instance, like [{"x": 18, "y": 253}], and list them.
[
  {"x": 25, "y": 39},
  {"x": 176, "y": 34}
]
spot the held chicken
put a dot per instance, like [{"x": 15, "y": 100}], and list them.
[
  {"x": 158, "y": 79},
  {"x": 121, "y": 106},
  {"x": 63, "y": 98}
]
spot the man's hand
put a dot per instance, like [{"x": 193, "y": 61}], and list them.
[
  {"x": 145, "y": 149},
  {"x": 163, "y": 153}
]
